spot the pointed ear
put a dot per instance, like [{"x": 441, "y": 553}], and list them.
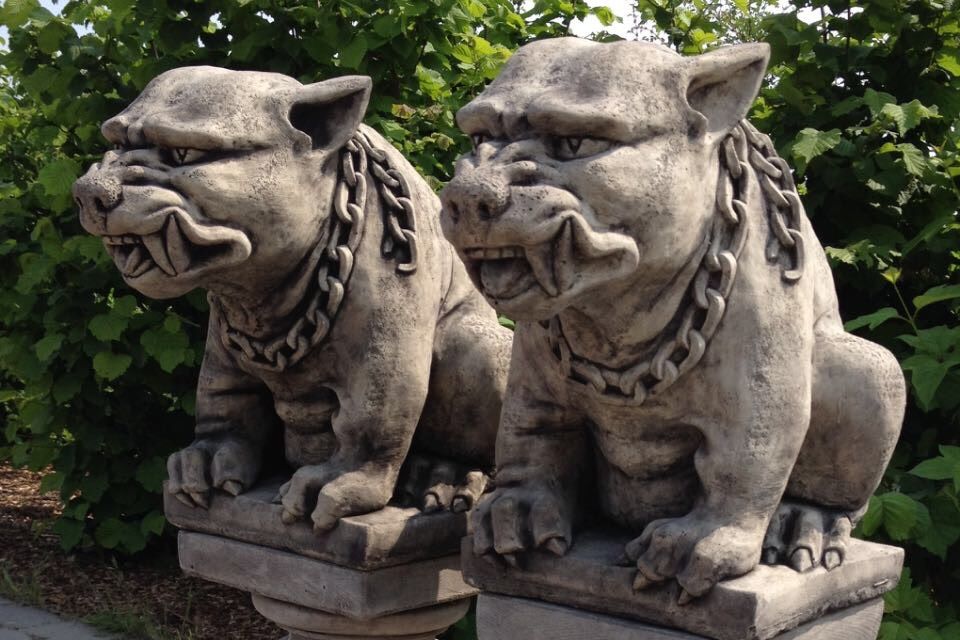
[
  {"x": 722, "y": 84},
  {"x": 329, "y": 112}
]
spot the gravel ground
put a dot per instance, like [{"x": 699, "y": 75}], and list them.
[{"x": 143, "y": 597}]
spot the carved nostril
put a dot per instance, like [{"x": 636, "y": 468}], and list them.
[
  {"x": 483, "y": 210},
  {"x": 97, "y": 191}
]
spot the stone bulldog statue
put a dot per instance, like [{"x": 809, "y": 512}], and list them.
[
  {"x": 679, "y": 359},
  {"x": 338, "y": 311}
]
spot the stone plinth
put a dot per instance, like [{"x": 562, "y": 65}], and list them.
[
  {"x": 758, "y": 606},
  {"x": 391, "y": 574},
  {"x": 501, "y": 617},
  {"x": 391, "y": 536}
]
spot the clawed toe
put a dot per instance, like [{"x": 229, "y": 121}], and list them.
[{"x": 805, "y": 537}]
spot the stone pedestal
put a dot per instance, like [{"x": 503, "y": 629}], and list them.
[
  {"x": 500, "y": 617},
  {"x": 769, "y": 602},
  {"x": 394, "y": 574}
]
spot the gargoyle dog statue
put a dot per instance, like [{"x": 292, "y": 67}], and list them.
[
  {"x": 339, "y": 313},
  {"x": 679, "y": 351}
]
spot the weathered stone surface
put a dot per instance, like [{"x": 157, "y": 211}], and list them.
[
  {"x": 384, "y": 538},
  {"x": 680, "y": 366},
  {"x": 303, "y": 623},
  {"x": 757, "y": 606},
  {"x": 294, "y": 579},
  {"x": 344, "y": 330},
  {"x": 500, "y": 617}
]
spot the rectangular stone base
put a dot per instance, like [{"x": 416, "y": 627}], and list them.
[
  {"x": 501, "y": 617},
  {"x": 757, "y": 606},
  {"x": 290, "y": 578},
  {"x": 385, "y": 538}
]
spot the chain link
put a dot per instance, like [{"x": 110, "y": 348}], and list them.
[
  {"x": 337, "y": 257},
  {"x": 713, "y": 282}
]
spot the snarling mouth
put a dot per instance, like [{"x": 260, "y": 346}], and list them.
[
  {"x": 508, "y": 271},
  {"x": 174, "y": 249}
]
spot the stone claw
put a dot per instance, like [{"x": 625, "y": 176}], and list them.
[
  {"x": 431, "y": 503},
  {"x": 832, "y": 558},
  {"x": 200, "y": 498},
  {"x": 287, "y": 517},
  {"x": 184, "y": 499},
  {"x": 641, "y": 582},
  {"x": 232, "y": 487},
  {"x": 557, "y": 546},
  {"x": 684, "y": 598},
  {"x": 802, "y": 560},
  {"x": 460, "y": 504},
  {"x": 511, "y": 559}
]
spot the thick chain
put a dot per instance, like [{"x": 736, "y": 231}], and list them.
[
  {"x": 707, "y": 297},
  {"x": 336, "y": 259}
]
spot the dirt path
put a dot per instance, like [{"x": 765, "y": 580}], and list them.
[{"x": 145, "y": 597}]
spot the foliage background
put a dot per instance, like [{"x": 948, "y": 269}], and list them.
[{"x": 863, "y": 97}]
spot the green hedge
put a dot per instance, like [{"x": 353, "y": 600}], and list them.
[{"x": 863, "y": 98}]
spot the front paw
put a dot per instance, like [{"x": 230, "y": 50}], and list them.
[
  {"x": 226, "y": 463},
  {"x": 512, "y": 520},
  {"x": 697, "y": 551},
  {"x": 330, "y": 493}
]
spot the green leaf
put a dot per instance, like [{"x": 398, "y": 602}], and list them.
[
  {"x": 873, "y": 518},
  {"x": 926, "y": 374},
  {"x": 913, "y": 159},
  {"x": 950, "y": 60},
  {"x": 936, "y": 469},
  {"x": 153, "y": 523},
  {"x": 945, "y": 529},
  {"x": 66, "y": 387},
  {"x": 352, "y": 55},
  {"x": 876, "y": 100},
  {"x": 51, "y": 482},
  {"x": 873, "y": 320},
  {"x": 937, "y": 294},
  {"x": 93, "y": 486},
  {"x": 57, "y": 177},
  {"x": 151, "y": 473},
  {"x": 15, "y": 13},
  {"x": 811, "y": 143},
  {"x": 111, "y": 365},
  {"x": 109, "y": 533},
  {"x": 168, "y": 349},
  {"x": 47, "y": 346},
  {"x": 900, "y": 514},
  {"x": 70, "y": 532},
  {"x": 107, "y": 326}
]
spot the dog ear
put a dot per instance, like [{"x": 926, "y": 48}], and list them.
[
  {"x": 722, "y": 84},
  {"x": 329, "y": 112}
]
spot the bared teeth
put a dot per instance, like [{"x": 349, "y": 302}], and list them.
[
  {"x": 142, "y": 268},
  {"x": 541, "y": 263},
  {"x": 154, "y": 244},
  {"x": 563, "y": 259},
  {"x": 133, "y": 260},
  {"x": 178, "y": 250}
]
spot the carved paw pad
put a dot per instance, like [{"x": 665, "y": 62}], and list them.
[
  {"x": 696, "y": 551},
  {"x": 513, "y": 520},
  {"x": 226, "y": 463}
]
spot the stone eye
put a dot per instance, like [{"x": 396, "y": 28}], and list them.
[
  {"x": 575, "y": 147},
  {"x": 182, "y": 155}
]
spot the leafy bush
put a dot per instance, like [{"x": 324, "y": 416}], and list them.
[
  {"x": 99, "y": 382},
  {"x": 862, "y": 97}
]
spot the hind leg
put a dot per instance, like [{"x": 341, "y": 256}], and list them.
[
  {"x": 458, "y": 427},
  {"x": 857, "y": 410}
]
